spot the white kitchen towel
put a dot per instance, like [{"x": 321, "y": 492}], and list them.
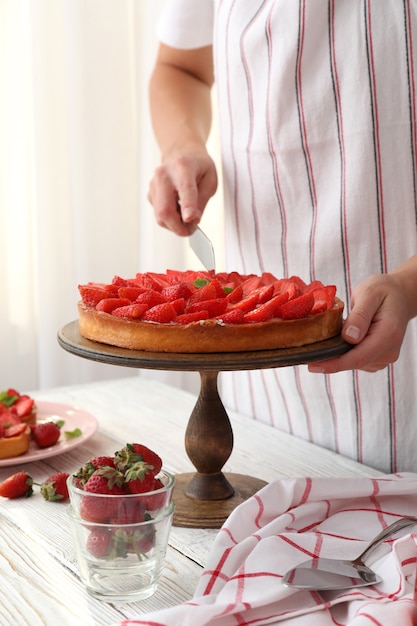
[{"x": 290, "y": 521}]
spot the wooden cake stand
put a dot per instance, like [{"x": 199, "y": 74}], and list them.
[{"x": 204, "y": 499}]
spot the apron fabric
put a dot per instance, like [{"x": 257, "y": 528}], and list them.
[{"x": 318, "y": 114}]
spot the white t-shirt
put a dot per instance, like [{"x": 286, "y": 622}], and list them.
[{"x": 318, "y": 116}]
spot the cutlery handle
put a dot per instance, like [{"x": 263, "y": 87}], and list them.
[{"x": 387, "y": 532}]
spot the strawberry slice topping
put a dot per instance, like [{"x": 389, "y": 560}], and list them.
[
  {"x": 183, "y": 297},
  {"x": 297, "y": 307}
]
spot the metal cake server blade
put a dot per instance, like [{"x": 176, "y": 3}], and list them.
[
  {"x": 203, "y": 248},
  {"x": 324, "y": 573}
]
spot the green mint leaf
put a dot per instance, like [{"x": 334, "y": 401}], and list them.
[
  {"x": 6, "y": 399},
  {"x": 77, "y": 432},
  {"x": 200, "y": 282}
]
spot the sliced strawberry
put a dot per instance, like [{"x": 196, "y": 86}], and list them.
[
  {"x": 118, "y": 281},
  {"x": 107, "y": 305},
  {"x": 285, "y": 285},
  {"x": 220, "y": 292},
  {"x": 323, "y": 299},
  {"x": 265, "y": 293},
  {"x": 161, "y": 313},
  {"x": 179, "y": 305},
  {"x": 297, "y": 307},
  {"x": 178, "y": 290},
  {"x": 299, "y": 282},
  {"x": 207, "y": 292},
  {"x": 251, "y": 283},
  {"x": 134, "y": 311},
  {"x": 236, "y": 295},
  {"x": 160, "y": 281},
  {"x": 24, "y": 405},
  {"x": 247, "y": 304},
  {"x": 316, "y": 284},
  {"x": 92, "y": 293},
  {"x": 266, "y": 310},
  {"x": 233, "y": 278},
  {"x": 9, "y": 417},
  {"x": 15, "y": 430},
  {"x": 135, "y": 282},
  {"x": 131, "y": 293},
  {"x": 188, "y": 318},
  {"x": 190, "y": 276},
  {"x": 234, "y": 316},
  {"x": 151, "y": 281},
  {"x": 267, "y": 278},
  {"x": 215, "y": 307},
  {"x": 151, "y": 298}
]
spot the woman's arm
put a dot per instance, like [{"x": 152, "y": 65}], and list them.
[{"x": 180, "y": 102}]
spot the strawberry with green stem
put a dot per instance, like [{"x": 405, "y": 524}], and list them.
[
  {"x": 55, "y": 488},
  {"x": 105, "y": 481},
  {"x": 19, "y": 485},
  {"x": 131, "y": 453}
]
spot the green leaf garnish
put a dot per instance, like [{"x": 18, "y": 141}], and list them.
[
  {"x": 60, "y": 423},
  {"x": 200, "y": 282},
  {"x": 77, "y": 432},
  {"x": 6, "y": 399},
  {"x": 227, "y": 289}
]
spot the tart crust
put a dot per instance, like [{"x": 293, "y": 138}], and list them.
[
  {"x": 209, "y": 336},
  {"x": 15, "y": 446}
]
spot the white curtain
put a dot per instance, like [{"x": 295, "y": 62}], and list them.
[{"x": 76, "y": 154}]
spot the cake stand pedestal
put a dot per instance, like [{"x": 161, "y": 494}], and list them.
[{"x": 204, "y": 499}]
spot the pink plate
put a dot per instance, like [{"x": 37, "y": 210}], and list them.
[{"x": 72, "y": 417}]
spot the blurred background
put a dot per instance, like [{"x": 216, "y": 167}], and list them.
[{"x": 76, "y": 155}]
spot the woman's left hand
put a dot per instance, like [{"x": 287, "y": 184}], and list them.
[{"x": 376, "y": 326}]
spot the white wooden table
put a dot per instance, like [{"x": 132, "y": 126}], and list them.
[{"x": 38, "y": 572}]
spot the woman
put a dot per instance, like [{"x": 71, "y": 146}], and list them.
[{"x": 318, "y": 118}]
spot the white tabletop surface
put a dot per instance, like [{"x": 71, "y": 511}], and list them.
[{"x": 38, "y": 572}]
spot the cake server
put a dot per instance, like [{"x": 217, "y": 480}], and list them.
[
  {"x": 203, "y": 248},
  {"x": 322, "y": 573}
]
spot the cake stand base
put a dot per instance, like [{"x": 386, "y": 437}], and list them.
[{"x": 194, "y": 513}]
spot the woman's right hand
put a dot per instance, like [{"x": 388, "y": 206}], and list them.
[
  {"x": 180, "y": 99},
  {"x": 180, "y": 189}
]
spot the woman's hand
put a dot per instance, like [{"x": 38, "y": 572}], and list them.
[
  {"x": 382, "y": 306},
  {"x": 180, "y": 190}
]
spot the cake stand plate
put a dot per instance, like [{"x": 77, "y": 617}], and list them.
[{"x": 206, "y": 498}]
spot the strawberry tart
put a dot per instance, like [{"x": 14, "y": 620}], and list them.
[
  {"x": 205, "y": 312},
  {"x": 17, "y": 415}
]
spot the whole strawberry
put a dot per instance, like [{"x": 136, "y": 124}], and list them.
[
  {"x": 156, "y": 500},
  {"x": 55, "y": 487},
  {"x": 106, "y": 481},
  {"x": 131, "y": 453},
  {"x": 99, "y": 543},
  {"x": 142, "y": 541},
  {"x": 86, "y": 470},
  {"x": 140, "y": 477},
  {"x": 17, "y": 485},
  {"x": 46, "y": 434},
  {"x": 130, "y": 511}
]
